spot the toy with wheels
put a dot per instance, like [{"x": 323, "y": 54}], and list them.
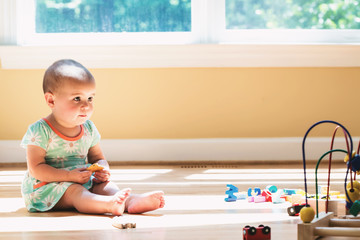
[
  {"x": 256, "y": 233},
  {"x": 294, "y": 210}
]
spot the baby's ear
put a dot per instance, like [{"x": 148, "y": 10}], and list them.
[{"x": 49, "y": 98}]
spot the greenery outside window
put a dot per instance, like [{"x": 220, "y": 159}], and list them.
[
  {"x": 292, "y": 21},
  {"x": 180, "y": 33},
  {"x": 189, "y": 21}
]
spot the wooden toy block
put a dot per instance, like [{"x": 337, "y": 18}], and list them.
[
  {"x": 297, "y": 199},
  {"x": 306, "y": 231},
  {"x": 334, "y": 206},
  {"x": 326, "y": 225},
  {"x": 341, "y": 208}
]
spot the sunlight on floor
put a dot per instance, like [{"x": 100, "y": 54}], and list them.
[
  {"x": 136, "y": 174},
  {"x": 138, "y": 171},
  {"x": 116, "y": 174},
  {"x": 194, "y": 203},
  {"x": 262, "y": 176},
  {"x": 179, "y": 211},
  {"x": 272, "y": 170}
]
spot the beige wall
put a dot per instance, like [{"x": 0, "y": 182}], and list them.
[{"x": 197, "y": 102}]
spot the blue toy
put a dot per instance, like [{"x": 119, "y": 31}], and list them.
[
  {"x": 231, "y": 197},
  {"x": 289, "y": 191},
  {"x": 256, "y": 192},
  {"x": 271, "y": 188}
]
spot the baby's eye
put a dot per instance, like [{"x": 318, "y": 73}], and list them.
[
  {"x": 90, "y": 99},
  {"x": 77, "y": 99}
]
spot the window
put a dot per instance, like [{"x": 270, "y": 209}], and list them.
[
  {"x": 292, "y": 14},
  {"x": 181, "y": 33},
  {"x": 94, "y": 22},
  {"x": 112, "y": 16},
  {"x": 184, "y": 21},
  {"x": 292, "y": 21}
]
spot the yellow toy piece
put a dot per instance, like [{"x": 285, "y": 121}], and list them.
[
  {"x": 300, "y": 191},
  {"x": 354, "y": 194},
  {"x": 341, "y": 196},
  {"x": 346, "y": 159},
  {"x": 95, "y": 167},
  {"x": 356, "y": 185},
  {"x": 307, "y": 214}
]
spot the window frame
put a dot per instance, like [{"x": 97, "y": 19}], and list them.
[
  {"x": 208, "y": 45},
  {"x": 28, "y": 37}
]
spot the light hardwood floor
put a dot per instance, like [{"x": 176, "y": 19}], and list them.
[{"x": 195, "y": 206}]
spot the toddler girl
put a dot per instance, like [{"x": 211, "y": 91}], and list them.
[{"x": 61, "y": 146}]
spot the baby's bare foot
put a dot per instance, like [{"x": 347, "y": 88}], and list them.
[
  {"x": 145, "y": 202},
  {"x": 118, "y": 201}
]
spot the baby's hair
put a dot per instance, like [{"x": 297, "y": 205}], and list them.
[{"x": 62, "y": 70}]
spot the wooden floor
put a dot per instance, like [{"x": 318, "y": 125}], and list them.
[{"x": 195, "y": 206}]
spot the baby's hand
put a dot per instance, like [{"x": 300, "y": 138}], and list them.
[
  {"x": 80, "y": 175},
  {"x": 102, "y": 176}
]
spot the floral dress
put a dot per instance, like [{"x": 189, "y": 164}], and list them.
[{"x": 61, "y": 152}]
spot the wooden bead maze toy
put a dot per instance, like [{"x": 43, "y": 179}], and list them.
[{"x": 325, "y": 224}]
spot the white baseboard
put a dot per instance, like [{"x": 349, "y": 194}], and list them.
[{"x": 197, "y": 150}]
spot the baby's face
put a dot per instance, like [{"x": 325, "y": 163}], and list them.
[{"x": 73, "y": 103}]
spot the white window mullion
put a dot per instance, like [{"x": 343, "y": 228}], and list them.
[
  {"x": 26, "y": 30},
  {"x": 8, "y": 22},
  {"x": 215, "y": 20},
  {"x": 208, "y": 20}
]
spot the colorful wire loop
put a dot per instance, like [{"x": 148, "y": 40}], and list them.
[{"x": 348, "y": 152}]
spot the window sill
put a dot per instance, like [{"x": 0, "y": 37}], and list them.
[{"x": 201, "y": 55}]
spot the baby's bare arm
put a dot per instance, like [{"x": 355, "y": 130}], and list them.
[
  {"x": 46, "y": 173},
  {"x": 96, "y": 155}
]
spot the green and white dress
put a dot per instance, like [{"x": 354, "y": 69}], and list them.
[{"x": 61, "y": 152}]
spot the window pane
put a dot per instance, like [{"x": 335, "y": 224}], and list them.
[
  {"x": 74, "y": 16},
  {"x": 292, "y": 14}
]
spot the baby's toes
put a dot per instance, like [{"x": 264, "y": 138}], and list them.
[{"x": 123, "y": 195}]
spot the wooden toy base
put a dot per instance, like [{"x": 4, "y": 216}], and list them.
[
  {"x": 338, "y": 207},
  {"x": 326, "y": 225}
]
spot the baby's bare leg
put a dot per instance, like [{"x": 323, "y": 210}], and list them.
[
  {"x": 140, "y": 203},
  {"x": 105, "y": 188},
  {"x": 78, "y": 197}
]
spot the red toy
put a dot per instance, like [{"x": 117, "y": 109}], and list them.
[
  {"x": 260, "y": 233},
  {"x": 267, "y": 194}
]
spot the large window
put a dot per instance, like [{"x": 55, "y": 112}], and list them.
[
  {"x": 188, "y": 21},
  {"x": 292, "y": 21},
  {"x": 74, "y": 16},
  {"x": 292, "y": 14},
  {"x": 181, "y": 33}
]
